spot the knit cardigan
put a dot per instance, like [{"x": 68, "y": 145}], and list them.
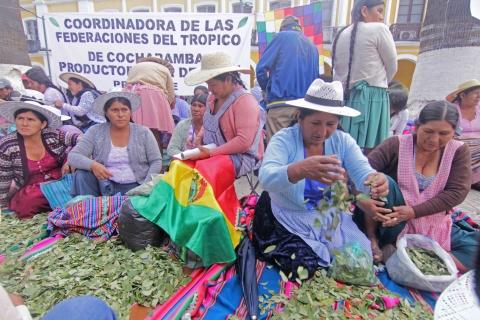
[
  {"x": 14, "y": 162},
  {"x": 143, "y": 152}
]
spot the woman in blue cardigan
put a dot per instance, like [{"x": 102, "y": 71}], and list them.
[{"x": 298, "y": 163}]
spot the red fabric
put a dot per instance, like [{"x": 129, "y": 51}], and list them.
[
  {"x": 29, "y": 200},
  {"x": 437, "y": 226}
]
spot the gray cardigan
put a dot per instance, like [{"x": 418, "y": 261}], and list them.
[
  {"x": 143, "y": 152},
  {"x": 179, "y": 137}
]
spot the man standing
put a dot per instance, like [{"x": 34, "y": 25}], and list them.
[
  {"x": 6, "y": 89},
  {"x": 286, "y": 69}
]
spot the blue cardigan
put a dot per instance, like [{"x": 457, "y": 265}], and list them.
[{"x": 286, "y": 147}]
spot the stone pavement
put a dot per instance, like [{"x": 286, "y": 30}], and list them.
[{"x": 471, "y": 204}]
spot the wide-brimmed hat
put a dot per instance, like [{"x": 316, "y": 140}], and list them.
[
  {"x": 462, "y": 87},
  {"x": 9, "y": 108},
  {"x": 67, "y": 75},
  {"x": 212, "y": 65},
  {"x": 325, "y": 97},
  {"x": 99, "y": 102},
  {"x": 459, "y": 300}
]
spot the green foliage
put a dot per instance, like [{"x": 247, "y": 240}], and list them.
[
  {"x": 79, "y": 266},
  {"x": 315, "y": 299},
  {"x": 427, "y": 262}
]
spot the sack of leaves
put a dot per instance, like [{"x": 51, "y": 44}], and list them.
[
  {"x": 431, "y": 269},
  {"x": 353, "y": 265},
  {"x": 136, "y": 231}
]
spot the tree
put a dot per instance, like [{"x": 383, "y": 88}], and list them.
[{"x": 449, "y": 51}]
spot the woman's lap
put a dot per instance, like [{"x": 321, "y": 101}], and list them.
[{"x": 85, "y": 183}]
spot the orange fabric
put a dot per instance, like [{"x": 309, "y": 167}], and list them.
[{"x": 239, "y": 126}]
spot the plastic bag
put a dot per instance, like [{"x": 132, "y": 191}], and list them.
[
  {"x": 353, "y": 265},
  {"x": 136, "y": 231},
  {"x": 403, "y": 271}
]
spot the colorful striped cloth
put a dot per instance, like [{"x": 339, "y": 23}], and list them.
[
  {"x": 94, "y": 217},
  {"x": 58, "y": 192},
  {"x": 196, "y": 204}
]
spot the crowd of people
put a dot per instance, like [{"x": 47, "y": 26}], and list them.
[{"x": 317, "y": 131}]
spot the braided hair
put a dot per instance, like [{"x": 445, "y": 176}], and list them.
[
  {"x": 37, "y": 74},
  {"x": 234, "y": 75},
  {"x": 356, "y": 15}
]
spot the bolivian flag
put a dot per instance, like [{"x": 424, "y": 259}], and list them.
[{"x": 197, "y": 206}]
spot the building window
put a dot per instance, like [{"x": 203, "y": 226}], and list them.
[
  {"x": 141, "y": 9},
  {"x": 206, "y": 8},
  {"x": 410, "y": 11},
  {"x": 242, "y": 7},
  {"x": 279, "y": 4},
  {"x": 31, "y": 32},
  {"x": 327, "y": 8},
  {"x": 173, "y": 9}
]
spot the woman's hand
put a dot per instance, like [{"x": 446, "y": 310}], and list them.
[
  {"x": 198, "y": 141},
  {"x": 375, "y": 209},
  {"x": 399, "y": 214},
  {"x": 204, "y": 154},
  {"x": 325, "y": 169},
  {"x": 100, "y": 171},
  {"x": 16, "y": 299},
  {"x": 66, "y": 169},
  {"x": 378, "y": 185},
  {"x": 59, "y": 104}
]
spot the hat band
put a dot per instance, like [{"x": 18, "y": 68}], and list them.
[{"x": 324, "y": 102}]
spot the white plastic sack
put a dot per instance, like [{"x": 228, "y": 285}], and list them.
[{"x": 402, "y": 270}]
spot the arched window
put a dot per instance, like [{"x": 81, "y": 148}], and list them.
[
  {"x": 278, "y": 4},
  {"x": 173, "y": 8},
  {"x": 410, "y": 11},
  {"x": 206, "y": 7},
  {"x": 141, "y": 9},
  {"x": 242, "y": 7},
  {"x": 31, "y": 33}
]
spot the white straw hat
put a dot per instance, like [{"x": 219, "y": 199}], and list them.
[
  {"x": 459, "y": 300},
  {"x": 101, "y": 100},
  {"x": 462, "y": 87},
  {"x": 325, "y": 97},
  {"x": 67, "y": 75},
  {"x": 8, "y": 109},
  {"x": 212, "y": 65}
]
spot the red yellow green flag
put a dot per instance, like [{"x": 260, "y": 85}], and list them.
[{"x": 196, "y": 204}]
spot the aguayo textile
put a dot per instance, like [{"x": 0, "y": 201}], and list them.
[
  {"x": 58, "y": 192},
  {"x": 95, "y": 218},
  {"x": 196, "y": 204}
]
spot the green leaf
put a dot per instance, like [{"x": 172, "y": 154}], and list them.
[
  {"x": 269, "y": 249},
  {"x": 242, "y": 22},
  {"x": 292, "y": 256},
  {"x": 54, "y": 22},
  {"x": 283, "y": 276},
  {"x": 362, "y": 196}
]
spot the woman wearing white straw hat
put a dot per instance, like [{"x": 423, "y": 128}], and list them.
[
  {"x": 32, "y": 155},
  {"x": 81, "y": 95},
  {"x": 299, "y": 163},
  {"x": 467, "y": 98},
  {"x": 115, "y": 156},
  {"x": 233, "y": 120}
]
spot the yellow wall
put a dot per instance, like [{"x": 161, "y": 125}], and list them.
[
  {"x": 139, "y": 3},
  {"x": 405, "y": 72},
  {"x": 161, "y": 3},
  {"x": 393, "y": 11},
  {"x": 111, "y": 4},
  {"x": 63, "y": 7},
  {"x": 37, "y": 58}
]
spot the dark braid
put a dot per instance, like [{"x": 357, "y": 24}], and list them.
[
  {"x": 350, "y": 60},
  {"x": 334, "y": 46}
]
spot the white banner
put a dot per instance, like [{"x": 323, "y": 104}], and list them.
[
  {"x": 475, "y": 8},
  {"x": 104, "y": 46}
]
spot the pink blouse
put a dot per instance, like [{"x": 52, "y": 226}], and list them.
[{"x": 470, "y": 128}]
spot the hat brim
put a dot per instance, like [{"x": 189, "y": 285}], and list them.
[
  {"x": 341, "y": 111},
  {"x": 453, "y": 95},
  {"x": 199, "y": 76},
  {"x": 67, "y": 75},
  {"x": 9, "y": 108},
  {"x": 101, "y": 100}
]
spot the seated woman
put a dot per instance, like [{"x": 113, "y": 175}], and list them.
[
  {"x": 429, "y": 173},
  {"x": 233, "y": 121},
  {"x": 115, "y": 156},
  {"x": 467, "y": 99},
  {"x": 81, "y": 94},
  {"x": 32, "y": 155},
  {"x": 298, "y": 163},
  {"x": 188, "y": 133}
]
